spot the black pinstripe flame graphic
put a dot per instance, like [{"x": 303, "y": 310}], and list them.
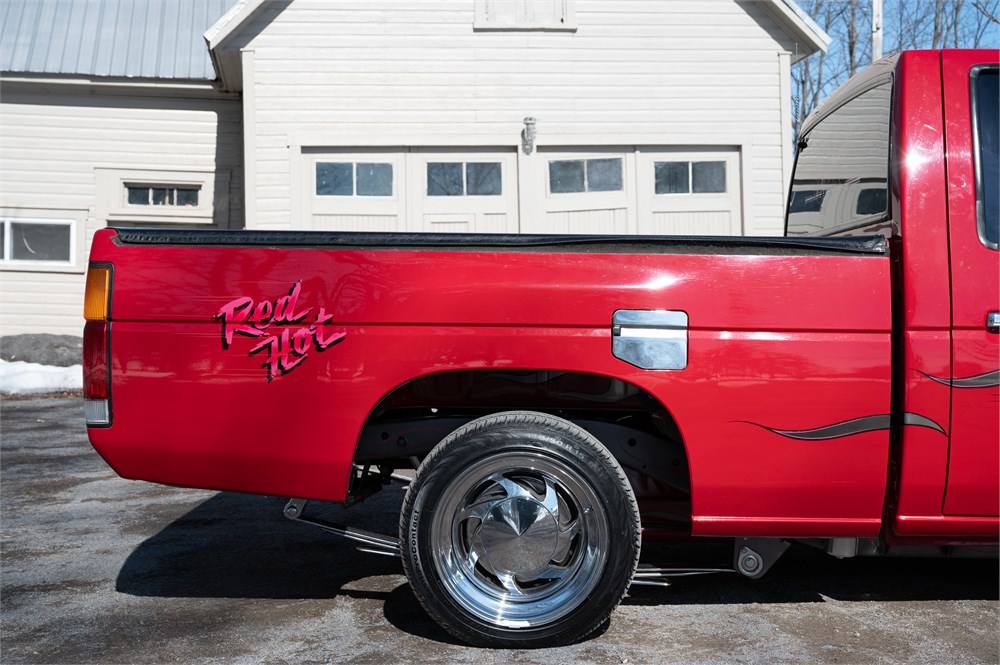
[{"x": 850, "y": 427}]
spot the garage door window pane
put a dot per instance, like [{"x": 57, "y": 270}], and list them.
[
  {"x": 671, "y": 177},
  {"x": 374, "y": 179},
  {"x": 333, "y": 179},
  {"x": 566, "y": 176},
  {"x": 40, "y": 242},
  {"x": 444, "y": 179},
  {"x": 604, "y": 175},
  {"x": 708, "y": 177},
  {"x": 483, "y": 179}
]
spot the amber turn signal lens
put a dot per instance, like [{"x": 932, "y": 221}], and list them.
[{"x": 95, "y": 299}]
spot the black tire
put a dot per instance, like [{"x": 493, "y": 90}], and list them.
[{"x": 520, "y": 530}]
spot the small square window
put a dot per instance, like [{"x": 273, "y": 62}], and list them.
[
  {"x": 671, "y": 177},
  {"x": 187, "y": 198},
  {"x": 138, "y": 196},
  {"x": 159, "y": 196},
  {"x": 334, "y": 179},
  {"x": 374, "y": 179},
  {"x": 483, "y": 178},
  {"x": 708, "y": 177},
  {"x": 604, "y": 175},
  {"x": 566, "y": 176},
  {"x": 445, "y": 179}
]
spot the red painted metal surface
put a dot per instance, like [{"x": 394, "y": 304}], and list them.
[
  {"x": 254, "y": 369},
  {"x": 973, "y": 453},
  {"x": 786, "y": 342},
  {"x": 949, "y": 282}
]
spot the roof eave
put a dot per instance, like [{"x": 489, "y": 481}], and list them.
[
  {"x": 229, "y": 70},
  {"x": 808, "y": 36}
]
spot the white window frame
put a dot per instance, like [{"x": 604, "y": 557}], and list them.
[
  {"x": 171, "y": 186},
  {"x": 586, "y": 191},
  {"x": 588, "y": 200},
  {"x": 514, "y": 15},
  {"x": 321, "y": 204},
  {"x": 72, "y": 265},
  {"x": 465, "y": 181},
  {"x": 113, "y": 184},
  {"x": 690, "y": 164},
  {"x": 354, "y": 179}
]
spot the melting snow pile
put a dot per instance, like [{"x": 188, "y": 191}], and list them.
[{"x": 21, "y": 378}]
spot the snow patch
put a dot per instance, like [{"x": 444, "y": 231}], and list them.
[{"x": 22, "y": 378}]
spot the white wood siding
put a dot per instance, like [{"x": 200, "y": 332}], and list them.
[
  {"x": 676, "y": 73},
  {"x": 54, "y": 144}
]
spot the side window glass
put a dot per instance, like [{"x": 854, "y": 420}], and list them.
[
  {"x": 986, "y": 105},
  {"x": 841, "y": 171}
]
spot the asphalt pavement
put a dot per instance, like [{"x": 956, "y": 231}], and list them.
[{"x": 97, "y": 569}]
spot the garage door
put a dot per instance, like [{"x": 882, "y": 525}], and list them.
[
  {"x": 468, "y": 191},
  {"x": 628, "y": 190},
  {"x": 400, "y": 189},
  {"x": 688, "y": 192},
  {"x": 587, "y": 190}
]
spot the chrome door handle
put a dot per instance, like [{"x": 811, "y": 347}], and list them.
[{"x": 993, "y": 322}]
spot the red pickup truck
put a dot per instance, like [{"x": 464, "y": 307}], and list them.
[{"x": 561, "y": 396}]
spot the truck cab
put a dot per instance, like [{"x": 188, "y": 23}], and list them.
[{"x": 908, "y": 149}]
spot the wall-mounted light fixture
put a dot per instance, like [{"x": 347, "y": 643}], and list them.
[{"x": 528, "y": 135}]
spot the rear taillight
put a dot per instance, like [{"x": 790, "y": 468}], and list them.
[{"x": 97, "y": 346}]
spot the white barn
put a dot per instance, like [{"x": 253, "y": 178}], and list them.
[{"x": 521, "y": 116}]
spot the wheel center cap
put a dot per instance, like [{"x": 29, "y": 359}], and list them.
[{"x": 519, "y": 536}]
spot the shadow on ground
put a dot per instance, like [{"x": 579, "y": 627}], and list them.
[{"x": 240, "y": 546}]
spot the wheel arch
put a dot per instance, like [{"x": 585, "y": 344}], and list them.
[{"x": 637, "y": 428}]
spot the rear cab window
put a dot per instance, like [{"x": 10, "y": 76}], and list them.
[{"x": 840, "y": 183}]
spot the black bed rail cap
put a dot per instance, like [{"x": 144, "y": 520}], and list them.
[{"x": 871, "y": 245}]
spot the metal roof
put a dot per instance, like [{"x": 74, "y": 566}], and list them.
[{"x": 117, "y": 38}]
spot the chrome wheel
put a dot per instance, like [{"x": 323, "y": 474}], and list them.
[
  {"x": 519, "y": 540},
  {"x": 507, "y": 535}
]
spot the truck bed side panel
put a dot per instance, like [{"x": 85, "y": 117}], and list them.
[{"x": 783, "y": 404}]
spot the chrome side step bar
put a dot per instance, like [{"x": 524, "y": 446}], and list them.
[{"x": 374, "y": 543}]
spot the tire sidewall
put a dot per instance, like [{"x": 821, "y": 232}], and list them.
[{"x": 534, "y": 434}]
